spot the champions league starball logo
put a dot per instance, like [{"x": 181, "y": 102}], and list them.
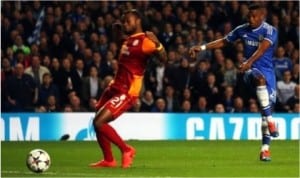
[
  {"x": 91, "y": 130},
  {"x": 87, "y": 133}
]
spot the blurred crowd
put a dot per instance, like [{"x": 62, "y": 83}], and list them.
[{"x": 75, "y": 58}]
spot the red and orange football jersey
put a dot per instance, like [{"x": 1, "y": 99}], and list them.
[{"x": 133, "y": 58}]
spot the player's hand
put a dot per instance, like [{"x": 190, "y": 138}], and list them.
[
  {"x": 194, "y": 50},
  {"x": 245, "y": 66},
  {"x": 152, "y": 37}
]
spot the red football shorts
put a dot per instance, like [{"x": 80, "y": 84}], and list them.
[{"x": 115, "y": 101}]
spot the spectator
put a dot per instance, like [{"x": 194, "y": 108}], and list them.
[
  {"x": 295, "y": 57},
  {"x": 55, "y": 70},
  {"x": 34, "y": 51},
  {"x": 201, "y": 106},
  {"x": 218, "y": 65},
  {"x": 76, "y": 104},
  {"x": 219, "y": 108},
  {"x": 200, "y": 41},
  {"x": 181, "y": 76},
  {"x": 167, "y": 37},
  {"x": 199, "y": 77},
  {"x": 67, "y": 108},
  {"x": 229, "y": 73},
  {"x": 18, "y": 44},
  {"x": 68, "y": 80},
  {"x": 96, "y": 61},
  {"x": 160, "y": 106},
  {"x": 228, "y": 100},
  {"x": 92, "y": 105},
  {"x": 281, "y": 63},
  {"x": 114, "y": 66},
  {"x": 238, "y": 106},
  {"x": 36, "y": 70},
  {"x": 80, "y": 69},
  {"x": 25, "y": 100},
  {"x": 44, "y": 48},
  {"x": 52, "y": 105},
  {"x": 186, "y": 95},
  {"x": 147, "y": 101},
  {"x": 186, "y": 106},
  {"x": 47, "y": 89},
  {"x": 91, "y": 86},
  {"x": 10, "y": 56},
  {"x": 157, "y": 79},
  {"x": 296, "y": 73},
  {"x": 137, "y": 106},
  {"x": 106, "y": 64},
  {"x": 40, "y": 109},
  {"x": 211, "y": 91},
  {"x": 296, "y": 108},
  {"x": 293, "y": 100},
  {"x": 57, "y": 48},
  {"x": 171, "y": 99},
  {"x": 285, "y": 89},
  {"x": 19, "y": 57},
  {"x": 6, "y": 72},
  {"x": 46, "y": 62},
  {"x": 253, "y": 108},
  {"x": 6, "y": 69}
]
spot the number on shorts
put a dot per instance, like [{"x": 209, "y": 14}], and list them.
[{"x": 118, "y": 100}]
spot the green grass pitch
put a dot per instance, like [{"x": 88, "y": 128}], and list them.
[{"x": 158, "y": 159}]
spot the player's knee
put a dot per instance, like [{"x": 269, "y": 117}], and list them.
[
  {"x": 260, "y": 81},
  {"x": 97, "y": 123}
]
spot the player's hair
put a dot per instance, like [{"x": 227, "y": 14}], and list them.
[
  {"x": 135, "y": 12},
  {"x": 145, "y": 23},
  {"x": 255, "y": 6}
]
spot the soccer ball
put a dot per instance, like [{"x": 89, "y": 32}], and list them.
[{"x": 38, "y": 161}]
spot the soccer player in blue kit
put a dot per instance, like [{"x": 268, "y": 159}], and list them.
[{"x": 259, "y": 39}]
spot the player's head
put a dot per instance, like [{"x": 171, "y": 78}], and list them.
[
  {"x": 256, "y": 15},
  {"x": 132, "y": 21}
]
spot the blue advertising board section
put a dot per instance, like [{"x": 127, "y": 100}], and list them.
[{"x": 145, "y": 126}]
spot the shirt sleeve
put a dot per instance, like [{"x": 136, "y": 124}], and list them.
[
  {"x": 271, "y": 35},
  {"x": 233, "y": 35},
  {"x": 148, "y": 46}
]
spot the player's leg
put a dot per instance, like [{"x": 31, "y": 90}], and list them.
[
  {"x": 103, "y": 142},
  {"x": 268, "y": 126},
  {"x": 111, "y": 110},
  {"x": 266, "y": 96}
]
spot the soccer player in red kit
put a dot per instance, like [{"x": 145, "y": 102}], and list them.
[{"x": 122, "y": 93}]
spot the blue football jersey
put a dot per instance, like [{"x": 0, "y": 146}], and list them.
[
  {"x": 264, "y": 65},
  {"x": 251, "y": 39}
]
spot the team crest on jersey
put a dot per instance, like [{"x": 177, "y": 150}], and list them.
[
  {"x": 260, "y": 38},
  {"x": 135, "y": 42}
]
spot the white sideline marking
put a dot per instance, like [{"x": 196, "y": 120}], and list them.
[{"x": 75, "y": 174}]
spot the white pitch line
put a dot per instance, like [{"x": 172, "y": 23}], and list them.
[{"x": 75, "y": 174}]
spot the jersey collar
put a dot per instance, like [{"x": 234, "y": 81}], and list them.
[
  {"x": 137, "y": 34},
  {"x": 255, "y": 29}
]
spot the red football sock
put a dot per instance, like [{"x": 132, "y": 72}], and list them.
[
  {"x": 113, "y": 136},
  {"x": 105, "y": 147}
]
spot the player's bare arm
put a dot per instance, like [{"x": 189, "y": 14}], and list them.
[
  {"x": 161, "y": 52},
  {"x": 263, "y": 46},
  {"x": 118, "y": 34},
  {"x": 212, "y": 45}
]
